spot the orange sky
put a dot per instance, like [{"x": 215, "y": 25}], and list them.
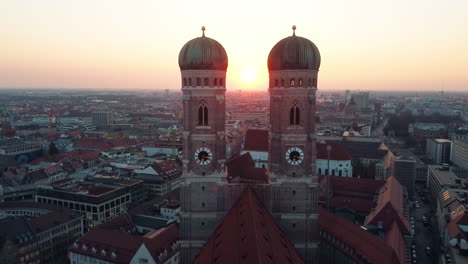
[{"x": 367, "y": 45}]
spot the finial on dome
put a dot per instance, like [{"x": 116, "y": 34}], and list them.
[
  {"x": 203, "y": 29},
  {"x": 294, "y": 30}
]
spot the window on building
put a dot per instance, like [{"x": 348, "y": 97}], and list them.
[
  {"x": 190, "y": 81},
  {"x": 221, "y": 82},
  {"x": 319, "y": 171},
  {"x": 203, "y": 115},
  {"x": 299, "y": 82},
  {"x": 292, "y": 83},
  {"x": 276, "y": 82},
  {"x": 207, "y": 82},
  {"x": 380, "y": 224},
  {"x": 294, "y": 115},
  {"x": 215, "y": 82},
  {"x": 282, "y": 82},
  {"x": 314, "y": 82},
  {"x": 185, "y": 81}
]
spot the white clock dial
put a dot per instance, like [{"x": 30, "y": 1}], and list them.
[
  {"x": 203, "y": 156},
  {"x": 294, "y": 156}
]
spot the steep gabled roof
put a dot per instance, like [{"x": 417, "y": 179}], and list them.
[
  {"x": 360, "y": 241},
  {"x": 337, "y": 152},
  {"x": 390, "y": 207},
  {"x": 256, "y": 140},
  {"x": 248, "y": 234}
]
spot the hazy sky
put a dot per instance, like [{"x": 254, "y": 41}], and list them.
[{"x": 365, "y": 44}]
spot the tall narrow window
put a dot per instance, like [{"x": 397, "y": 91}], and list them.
[
  {"x": 185, "y": 81},
  {"x": 198, "y": 81},
  {"x": 190, "y": 81},
  {"x": 207, "y": 81},
  {"x": 221, "y": 82},
  {"x": 299, "y": 82},
  {"x": 215, "y": 82},
  {"x": 294, "y": 115},
  {"x": 292, "y": 83},
  {"x": 276, "y": 82},
  {"x": 282, "y": 82},
  {"x": 203, "y": 115}
]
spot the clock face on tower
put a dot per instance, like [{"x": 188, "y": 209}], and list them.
[
  {"x": 294, "y": 156},
  {"x": 203, "y": 156}
]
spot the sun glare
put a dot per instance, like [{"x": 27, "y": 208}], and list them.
[{"x": 248, "y": 75}]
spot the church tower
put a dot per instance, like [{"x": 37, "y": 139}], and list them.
[
  {"x": 203, "y": 63},
  {"x": 293, "y": 65}
]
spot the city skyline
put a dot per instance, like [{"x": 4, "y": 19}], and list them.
[{"x": 122, "y": 45}]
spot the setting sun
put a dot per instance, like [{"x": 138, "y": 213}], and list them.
[{"x": 248, "y": 75}]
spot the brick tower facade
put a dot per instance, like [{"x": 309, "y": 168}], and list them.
[
  {"x": 293, "y": 65},
  {"x": 203, "y": 63}
]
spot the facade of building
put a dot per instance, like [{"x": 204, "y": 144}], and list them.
[
  {"x": 98, "y": 202},
  {"x": 37, "y": 233},
  {"x": 102, "y": 119},
  {"x": 438, "y": 150},
  {"x": 459, "y": 153},
  {"x": 336, "y": 163},
  {"x": 405, "y": 172}
]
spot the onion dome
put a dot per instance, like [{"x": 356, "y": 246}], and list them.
[
  {"x": 294, "y": 53},
  {"x": 203, "y": 53}
]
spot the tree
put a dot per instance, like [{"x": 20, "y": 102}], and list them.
[{"x": 53, "y": 149}]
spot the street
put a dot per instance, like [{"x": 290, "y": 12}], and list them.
[{"x": 425, "y": 236}]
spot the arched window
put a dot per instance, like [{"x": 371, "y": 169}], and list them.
[
  {"x": 215, "y": 82},
  {"x": 292, "y": 83},
  {"x": 276, "y": 83},
  {"x": 198, "y": 81},
  {"x": 207, "y": 82},
  {"x": 299, "y": 82},
  {"x": 190, "y": 81},
  {"x": 221, "y": 82},
  {"x": 294, "y": 115},
  {"x": 185, "y": 81},
  {"x": 203, "y": 115},
  {"x": 282, "y": 82}
]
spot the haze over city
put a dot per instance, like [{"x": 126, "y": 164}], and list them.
[{"x": 368, "y": 45}]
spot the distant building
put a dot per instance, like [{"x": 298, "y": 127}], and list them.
[
  {"x": 339, "y": 160},
  {"x": 361, "y": 99},
  {"x": 405, "y": 172},
  {"x": 37, "y": 233},
  {"x": 427, "y": 130},
  {"x": 102, "y": 119},
  {"x": 160, "y": 178},
  {"x": 438, "y": 150},
  {"x": 459, "y": 153},
  {"x": 256, "y": 143},
  {"x": 99, "y": 202},
  {"x": 22, "y": 151}
]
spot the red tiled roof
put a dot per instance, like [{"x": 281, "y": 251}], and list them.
[
  {"x": 243, "y": 168},
  {"x": 256, "y": 140},
  {"x": 453, "y": 229},
  {"x": 395, "y": 240},
  {"x": 390, "y": 207},
  {"x": 125, "y": 245},
  {"x": 337, "y": 152},
  {"x": 84, "y": 155},
  {"x": 248, "y": 234},
  {"x": 362, "y": 242}
]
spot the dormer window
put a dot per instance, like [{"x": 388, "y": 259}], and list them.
[
  {"x": 103, "y": 252},
  {"x": 292, "y": 83},
  {"x": 93, "y": 250},
  {"x": 113, "y": 255},
  {"x": 84, "y": 247}
]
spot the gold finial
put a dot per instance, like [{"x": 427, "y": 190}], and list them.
[
  {"x": 203, "y": 29},
  {"x": 294, "y": 30}
]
